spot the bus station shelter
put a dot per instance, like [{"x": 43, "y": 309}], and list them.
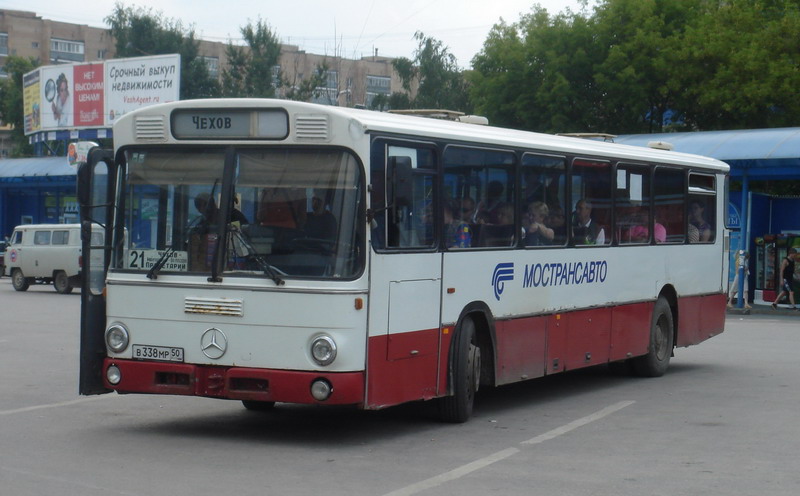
[
  {"x": 753, "y": 155},
  {"x": 35, "y": 191}
]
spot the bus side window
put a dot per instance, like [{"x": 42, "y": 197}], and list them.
[
  {"x": 480, "y": 185},
  {"x": 591, "y": 200},
  {"x": 670, "y": 185},
  {"x": 411, "y": 206},
  {"x": 701, "y": 211},
  {"x": 632, "y": 207},
  {"x": 543, "y": 200}
]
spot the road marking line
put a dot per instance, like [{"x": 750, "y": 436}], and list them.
[
  {"x": 57, "y": 405},
  {"x": 463, "y": 470},
  {"x": 578, "y": 423},
  {"x": 63, "y": 480},
  {"x": 454, "y": 474}
]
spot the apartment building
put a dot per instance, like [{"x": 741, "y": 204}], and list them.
[{"x": 349, "y": 82}]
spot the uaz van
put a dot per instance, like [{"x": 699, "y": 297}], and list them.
[{"x": 45, "y": 253}]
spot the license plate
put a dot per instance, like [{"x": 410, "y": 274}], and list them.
[{"x": 161, "y": 353}]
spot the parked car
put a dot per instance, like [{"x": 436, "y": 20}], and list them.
[{"x": 45, "y": 253}]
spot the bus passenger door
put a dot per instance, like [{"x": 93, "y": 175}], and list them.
[
  {"x": 405, "y": 282},
  {"x": 96, "y": 187}
]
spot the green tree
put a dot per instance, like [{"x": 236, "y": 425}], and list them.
[
  {"x": 434, "y": 71},
  {"x": 254, "y": 71},
  {"x": 140, "y": 31},
  {"x": 739, "y": 65},
  {"x": 304, "y": 89},
  {"x": 716, "y": 64},
  {"x": 11, "y": 107},
  {"x": 250, "y": 71}
]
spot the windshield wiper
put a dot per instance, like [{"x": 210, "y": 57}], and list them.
[
  {"x": 268, "y": 269},
  {"x": 162, "y": 260}
]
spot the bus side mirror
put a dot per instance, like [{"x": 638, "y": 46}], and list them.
[
  {"x": 84, "y": 183},
  {"x": 400, "y": 173}
]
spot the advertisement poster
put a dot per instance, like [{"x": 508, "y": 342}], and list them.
[
  {"x": 31, "y": 102},
  {"x": 141, "y": 81},
  {"x": 94, "y": 95},
  {"x": 57, "y": 101},
  {"x": 88, "y": 95}
]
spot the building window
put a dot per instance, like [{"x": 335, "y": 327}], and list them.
[
  {"x": 276, "y": 76},
  {"x": 66, "y": 50},
  {"x": 379, "y": 84},
  {"x": 3, "y": 43},
  {"x": 212, "y": 63},
  {"x": 101, "y": 54}
]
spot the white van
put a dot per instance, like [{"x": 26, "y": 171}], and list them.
[{"x": 45, "y": 253}]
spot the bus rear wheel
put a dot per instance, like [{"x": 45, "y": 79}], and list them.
[
  {"x": 656, "y": 362},
  {"x": 465, "y": 373},
  {"x": 19, "y": 281}
]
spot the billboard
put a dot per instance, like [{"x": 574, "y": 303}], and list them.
[{"x": 94, "y": 95}]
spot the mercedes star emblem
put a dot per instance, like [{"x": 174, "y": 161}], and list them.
[{"x": 213, "y": 343}]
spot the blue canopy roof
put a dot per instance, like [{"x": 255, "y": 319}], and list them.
[
  {"x": 764, "y": 153},
  {"x": 36, "y": 168}
]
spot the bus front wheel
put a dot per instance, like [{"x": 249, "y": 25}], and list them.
[
  {"x": 656, "y": 362},
  {"x": 465, "y": 376}
]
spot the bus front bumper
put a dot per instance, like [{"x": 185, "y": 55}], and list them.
[{"x": 236, "y": 383}]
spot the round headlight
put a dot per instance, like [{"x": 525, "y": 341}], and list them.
[
  {"x": 113, "y": 375},
  {"x": 117, "y": 338},
  {"x": 323, "y": 350},
  {"x": 321, "y": 389}
]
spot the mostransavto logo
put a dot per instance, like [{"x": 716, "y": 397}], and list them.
[{"x": 502, "y": 273}]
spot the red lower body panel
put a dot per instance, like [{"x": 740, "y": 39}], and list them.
[
  {"x": 236, "y": 383},
  {"x": 413, "y": 366}
]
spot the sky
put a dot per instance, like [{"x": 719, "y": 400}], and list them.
[{"x": 347, "y": 28}]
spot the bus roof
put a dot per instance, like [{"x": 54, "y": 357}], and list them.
[{"x": 414, "y": 126}]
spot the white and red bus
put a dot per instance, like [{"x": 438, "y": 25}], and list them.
[{"x": 274, "y": 251}]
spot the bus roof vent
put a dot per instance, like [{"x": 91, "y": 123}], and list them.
[
  {"x": 213, "y": 306},
  {"x": 150, "y": 128},
  {"x": 661, "y": 145},
  {"x": 311, "y": 127}
]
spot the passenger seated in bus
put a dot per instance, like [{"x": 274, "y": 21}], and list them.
[
  {"x": 209, "y": 213},
  {"x": 500, "y": 230},
  {"x": 558, "y": 223},
  {"x": 466, "y": 210},
  {"x": 639, "y": 232},
  {"x": 697, "y": 219},
  {"x": 584, "y": 230},
  {"x": 282, "y": 207},
  {"x": 533, "y": 222},
  {"x": 457, "y": 233},
  {"x": 320, "y": 222},
  {"x": 494, "y": 198}
]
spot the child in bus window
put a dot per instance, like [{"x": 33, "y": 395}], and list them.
[
  {"x": 697, "y": 219},
  {"x": 533, "y": 222}
]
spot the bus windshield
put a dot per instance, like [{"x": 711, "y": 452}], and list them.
[{"x": 290, "y": 211}]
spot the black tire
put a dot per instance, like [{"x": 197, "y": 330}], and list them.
[
  {"x": 258, "y": 406},
  {"x": 662, "y": 332},
  {"x": 465, "y": 372},
  {"x": 61, "y": 282},
  {"x": 19, "y": 281}
]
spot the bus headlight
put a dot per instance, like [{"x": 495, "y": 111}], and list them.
[
  {"x": 321, "y": 389},
  {"x": 113, "y": 375},
  {"x": 323, "y": 350},
  {"x": 117, "y": 338}
]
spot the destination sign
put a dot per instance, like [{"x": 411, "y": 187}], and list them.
[{"x": 230, "y": 124}]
